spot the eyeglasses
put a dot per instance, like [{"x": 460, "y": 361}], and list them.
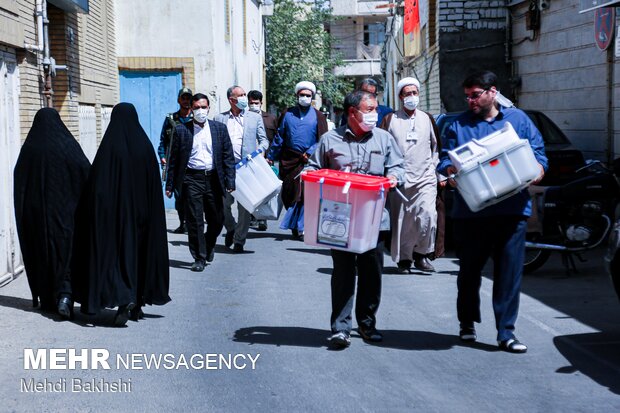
[{"x": 475, "y": 96}]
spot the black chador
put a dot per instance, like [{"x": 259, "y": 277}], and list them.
[
  {"x": 123, "y": 255},
  {"x": 49, "y": 177}
]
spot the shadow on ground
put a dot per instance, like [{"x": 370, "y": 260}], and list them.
[
  {"x": 596, "y": 355},
  {"x": 587, "y": 297},
  {"x": 105, "y": 318},
  {"x": 311, "y": 250},
  {"x": 312, "y": 337}
]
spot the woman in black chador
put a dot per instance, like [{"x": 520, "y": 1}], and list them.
[
  {"x": 123, "y": 250},
  {"x": 49, "y": 177}
]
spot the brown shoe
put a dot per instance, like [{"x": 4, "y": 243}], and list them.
[{"x": 423, "y": 264}]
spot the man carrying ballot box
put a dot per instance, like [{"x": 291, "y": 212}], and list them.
[
  {"x": 497, "y": 231},
  {"x": 358, "y": 147}
]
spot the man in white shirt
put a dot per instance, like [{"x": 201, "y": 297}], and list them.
[
  {"x": 201, "y": 167},
  {"x": 247, "y": 134}
]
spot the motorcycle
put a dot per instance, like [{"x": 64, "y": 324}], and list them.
[{"x": 574, "y": 217}]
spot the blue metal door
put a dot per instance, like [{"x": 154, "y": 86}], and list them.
[{"x": 154, "y": 94}]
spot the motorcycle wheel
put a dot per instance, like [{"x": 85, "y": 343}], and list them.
[{"x": 534, "y": 259}]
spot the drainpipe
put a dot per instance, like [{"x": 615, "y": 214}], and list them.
[
  {"x": 47, "y": 62},
  {"x": 39, "y": 14}
]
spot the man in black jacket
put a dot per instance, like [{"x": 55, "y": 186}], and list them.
[{"x": 201, "y": 167}]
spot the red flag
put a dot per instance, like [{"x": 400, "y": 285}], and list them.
[{"x": 412, "y": 17}]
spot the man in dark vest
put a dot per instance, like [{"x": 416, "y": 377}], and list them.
[{"x": 182, "y": 116}]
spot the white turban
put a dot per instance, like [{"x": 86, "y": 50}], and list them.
[
  {"x": 305, "y": 85},
  {"x": 408, "y": 81}
]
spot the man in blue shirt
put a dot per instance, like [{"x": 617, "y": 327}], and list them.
[{"x": 497, "y": 231}]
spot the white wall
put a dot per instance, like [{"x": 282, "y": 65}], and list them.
[
  {"x": 565, "y": 75},
  {"x": 196, "y": 28}
]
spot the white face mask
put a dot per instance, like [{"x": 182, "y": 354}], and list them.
[
  {"x": 242, "y": 102},
  {"x": 411, "y": 102},
  {"x": 369, "y": 121},
  {"x": 255, "y": 108},
  {"x": 305, "y": 101},
  {"x": 200, "y": 115}
]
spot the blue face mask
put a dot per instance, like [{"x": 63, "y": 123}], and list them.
[
  {"x": 185, "y": 119},
  {"x": 242, "y": 102}
]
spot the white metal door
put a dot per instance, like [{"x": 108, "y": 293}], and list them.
[
  {"x": 88, "y": 131},
  {"x": 106, "y": 114},
  {"x": 10, "y": 144}
]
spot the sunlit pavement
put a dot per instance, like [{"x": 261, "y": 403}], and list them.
[{"x": 272, "y": 305}]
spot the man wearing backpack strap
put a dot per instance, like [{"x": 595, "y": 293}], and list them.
[{"x": 182, "y": 116}]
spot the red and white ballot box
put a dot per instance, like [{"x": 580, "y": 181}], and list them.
[
  {"x": 493, "y": 168},
  {"x": 255, "y": 182},
  {"x": 343, "y": 210}
]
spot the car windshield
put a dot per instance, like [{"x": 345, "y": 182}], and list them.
[{"x": 549, "y": 130}]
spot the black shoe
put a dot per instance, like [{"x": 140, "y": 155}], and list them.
[
  {"x": 295, "y": 233},
  {"x": 238, "y": 248},
  {"x": 180, "y": 229},
  {"x": 65, "y": 307},
  {"x": 404, "y": 267},
  {"x": 468, "y": 334},
  {"x": 136, "y": 314},
  {"x": 512, "y": 345},
  {"x": 262, "y": 225},
  {"x": 228, "y": 240},
  {"x": 198, "y": 266},
  {"x": 122, "y": 314},
  {"x": 341, "y": 339},
  {"x": 423, "y": 264},
  {"x": 253, "y": 223},
  {"x": 370, "y": 334},
  {"x": 210, "y": 254}
]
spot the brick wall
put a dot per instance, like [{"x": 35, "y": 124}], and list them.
[
  {"x": 471, "y": 15},
  {"x": 425, "y": 68},
  {"x": 83, "y": 42}
]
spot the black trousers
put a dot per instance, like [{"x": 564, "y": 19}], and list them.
[
  {"x": 502, "y": 239},
  {"x": 179, "y": 205},
  {"x": 203, "y": 201},
  {"x": 368, "y": 268}
]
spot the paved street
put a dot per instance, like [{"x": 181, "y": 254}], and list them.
[{"x": 274, "y": 302}]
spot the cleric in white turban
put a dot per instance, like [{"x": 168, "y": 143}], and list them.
[
  {"x": 300, "y": 128},
  {"x": 408, "y": 81},
  {"x": 305, "y": 85}
]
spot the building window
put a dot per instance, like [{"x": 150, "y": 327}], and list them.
[{"x": 374, "y": 34}]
